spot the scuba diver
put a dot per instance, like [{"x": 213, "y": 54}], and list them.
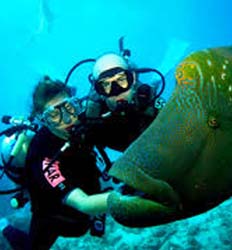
[
  {"x": 60, "y": 171},
  {"x": 125, "y": 104}
]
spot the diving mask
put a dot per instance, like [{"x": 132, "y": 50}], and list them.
[
  {"x": 114, "y": 85},
  {"x": 62, "y": 112}
]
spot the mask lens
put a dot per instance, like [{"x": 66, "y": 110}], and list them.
[
  {"x": 69, "y": 108},
  {"x": 105, "y": 87},
  {"x": 52, "y": 116},
  {"x": 122, "y": 81}
]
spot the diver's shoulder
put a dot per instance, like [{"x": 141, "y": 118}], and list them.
[{"x": 42, "y": 136}]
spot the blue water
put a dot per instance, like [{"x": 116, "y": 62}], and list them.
[{"x": 49, "y": 36}]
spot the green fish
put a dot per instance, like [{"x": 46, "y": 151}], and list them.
[{"x": 181, "y": 165}]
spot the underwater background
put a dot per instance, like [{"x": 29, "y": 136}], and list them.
[{"x": 49, "y": 36}]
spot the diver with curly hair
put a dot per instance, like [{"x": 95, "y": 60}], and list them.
[{"x": 61, "y": 172}]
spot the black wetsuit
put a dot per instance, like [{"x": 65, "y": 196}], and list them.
[
  {"x": 119, "y": 131},
  {"x": 48, "y": 186}
]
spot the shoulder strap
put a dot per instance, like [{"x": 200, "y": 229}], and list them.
[{"x": 104, "y": 162}]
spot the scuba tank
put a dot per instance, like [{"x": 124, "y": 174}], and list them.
[{"x": 13, "y": 152}]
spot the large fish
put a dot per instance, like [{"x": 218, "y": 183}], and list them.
[{"x": 182, "y": 164}]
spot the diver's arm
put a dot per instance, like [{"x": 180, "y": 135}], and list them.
[{"x": 88, "y": 204}]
